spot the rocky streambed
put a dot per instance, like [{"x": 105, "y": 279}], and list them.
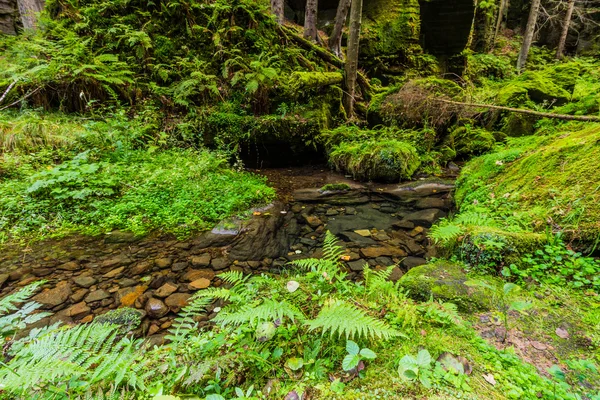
[{"x": 86, "y": 277}]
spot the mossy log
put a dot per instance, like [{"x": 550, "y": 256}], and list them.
[
  {"x": 314, "y": 80},
  {"x": 566, "y": 117}
]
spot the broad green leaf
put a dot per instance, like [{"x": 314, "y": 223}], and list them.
[
  {"x": 509, "y": 287},
  {"x": 521, "y": 305},
  {"x": 425, "y": 381},
  {"x": 352, "y": 347},
  {"x": 350, "y": 362},
  {"x": 294, "y": 363},
  {"x": 410, "y": 374},
  {"x": 423, "y": 358},
  {"x": 368, "y": 354}
]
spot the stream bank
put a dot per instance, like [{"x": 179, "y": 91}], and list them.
[{"x": 381, "y": 225}]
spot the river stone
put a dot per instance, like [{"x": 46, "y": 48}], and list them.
[
  {"x": 198, "y": 284},
  {"x": 203, "y": 260},
  {"x": 180, "y": 266},
  {"x": 114, "y": 273},
  {"x": 126, "y": 282},
  {"x": 412, "y": 262},
  {"x": 79, "y": 309},
  {"x": 312, "y": 220},
  {"x": 84, "y": 281},
  {"x": 156, "y": 308},
  {"x": 69, "y": 266},
  {"x": 165, "y": 290},
  {"x": 195, "y": 274},
  {"x": 413, "y": 190},
  {"x": 78, "y": 295},
  {"x": 374, "y": 252},
  {"x": 426, "y": 217},
  {"x": 404, "y": 224},
  {"x": 163, "y": 262},
  {"x": 219, "y": 263},
  {"x": 127, "y": 297},
  {"x": 381, "y": 236},
  {"x": 396, "y": 274},
  {"x": 431, "y": 202},
  {"x": 141, "y": 268},
  {"x": 363, "y": 232},
  {"x": 358, "y": 265},
  {"x": 56, "y": 296},
  {"x": 177, "y": 301},
  {"x": 39, "y": 272},
  {"x": 446, "y": 281},
  {"x": 3, "y": 278},
  {"x": 120, "y": 237},
  {"x": 121, "y": 260},
  {"x": 356, "y": 238},
  {"x": 96, "y": 295}
]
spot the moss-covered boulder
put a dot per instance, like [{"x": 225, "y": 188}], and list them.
[
  {"x": 468, "y": 141},
  {"x": 377, "y": 160},
  {"x": 445, "y": 281}
]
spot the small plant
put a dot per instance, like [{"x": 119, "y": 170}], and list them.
[
  {"x": 335, "y": 187},
  {"x": 417, "y": 368},
  {"x": 356, "y": 355}
]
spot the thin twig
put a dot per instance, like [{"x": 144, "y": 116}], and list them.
[
  {"x": 21, "y": 99},
  {"x": 6, "y": 91}
]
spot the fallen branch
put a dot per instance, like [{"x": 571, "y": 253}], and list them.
[
  {"x": 6, "y": 91},
  {"x": 21, "y": 99},
  {"x": 326, "y": 56},
  {"x": 566, "y": 117}
]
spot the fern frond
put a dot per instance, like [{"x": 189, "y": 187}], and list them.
[
  {"x": 233, "y": 277},
  {"x": 10, "y": 303},
  {"x": 344, "y": 319},
  {"x": 331, "y": 250},
  {"x": 268, "y": 310},
  {"x": 184, "y": 324},
  {"x": 445, "y": 232}
]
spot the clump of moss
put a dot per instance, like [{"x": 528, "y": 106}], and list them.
[
  {"x": 335, "y": 187},
  {"x": 381, "y": 160},
  {"x": 468, "y": 140}
]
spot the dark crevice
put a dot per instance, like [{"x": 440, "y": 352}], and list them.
[{"x": 446, "y": 25}]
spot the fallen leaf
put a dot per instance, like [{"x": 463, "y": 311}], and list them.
[
  {"x": 256, "y": 213},
  {"x": 538, "y": 345},
  {"x": 292, "y": 286},
  {"x": 346, "y": 258},
  {"x": 562, "y": 333},
  {"x": 489, "y": 378}
]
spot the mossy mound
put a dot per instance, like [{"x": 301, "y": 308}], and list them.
[
  {"x": 550, "y": 181},
  {"x": 445, "y": 281},
  {"x": 469, "y": 141},
  {"x": 378, "y": 160}
]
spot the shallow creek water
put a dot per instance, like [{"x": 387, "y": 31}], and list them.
[{"x": 381, "y": 225}]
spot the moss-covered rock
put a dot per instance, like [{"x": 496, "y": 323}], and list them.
[
  {"x": 378, "y": 160},
  {"x": 445, "y": 281},
  {"x": 468, "y": 140}
]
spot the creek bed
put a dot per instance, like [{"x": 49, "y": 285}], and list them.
[{"x": 378, "y": 225}]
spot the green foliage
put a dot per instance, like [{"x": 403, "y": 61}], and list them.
[
  {"x": 355, "y": 355},
  {"x": 557, "y": 265},
  {"x": 387, "y": 161},
  {"x": 16, "y": 316},
  {"x": 417, "y": 368},
  {"x": 468, "y": 140},
  {"x": 335, "y": 187}
]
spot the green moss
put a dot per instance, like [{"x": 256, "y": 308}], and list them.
[
  {"x": 445, "y": 281},
  {"x": 468, "y": 140},
  {"x": 311, "y": 80},
  {"x": 379, "y": 160},
  {"x": 335, "y": 187}
]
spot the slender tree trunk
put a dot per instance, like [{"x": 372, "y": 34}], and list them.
[
  {"x": 565, "y": 32},
  {"x": 335, "y": 40},
  {"x": 529, "y": 32},
  {"x": 501, "y": 10},
  {"x": 310, "y": 20},
  {"x": 352, "y": 61},
  {"x": 28, "y": 9},
  {"x": 277, "y": 7}
]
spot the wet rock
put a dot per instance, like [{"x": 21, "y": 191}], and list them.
[
  {"x": 426, "y": 217},
  {"x": 78, "y": 295},
  {"x": 363, "y": 232},
  {"x": 127, "y": 297},
  {"x": 381, "y": 236},
  {"x": 384, "y": 261},
  {"x": 56, "y": 296},
  {"x": 27, "y": 281},
  {"x": 153, "y": 329},
  {"x": 84, "y": 281},
  {"x": 114, "y": 273},
  {"x": 431, "y": 202},
  {"x": 96, "y": 295},
  {"x": 39, "y": 272},
  {"x": 198, "y": 284},
  {"x": 180, "y": 266},
  {"x": 69, "y": 266},
  {"x": 396, "y": 274},
  {"x": 446, "y": 281},
  {"x": 374, "y": 252},
  {"x": 18, "y": 274},
  {"x": 358, "y": 265},
  {"x": 3, "y": 278},
  {"x": 165, "y": 290},
  {"x": 195, "y": 274},
  {"x": 176, "y": 301},
  {"x": 412, "y": 262},
  {"x": 126, "y": 282},
  {"x": 312, "y": 220},
  {"x": 332, "y": 212},
  {"x": 416, "y": 232},
  {"x": 202, "y": 260},
  {"x": 404, "y": 224},
  {"x": 120, "y": 260},
  {"x": 141, "y": 268},
  {"x": 120, "y": 237},
  {"x": 413, "y": 190},
  {"x": 219, "y": 263},
  {"x": 163, "y": 262},
  {"x": 78, "y": 310},
  {"x": 356, "y": 238},
  {"x": 156, "y": 308}
]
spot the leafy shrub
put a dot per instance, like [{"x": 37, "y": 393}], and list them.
[{"x": 384, "y": 160}]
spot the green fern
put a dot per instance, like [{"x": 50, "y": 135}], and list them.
[
  {"x": 331, "y": 250},
  {"x": 330, "y": 263},
  {"x": 268, "y": 310},
  {"x": 184, "y": 324},
  {"x": 83, "y": 355},
  {"x": 22, "y": 316},
  {"x": 344, "y": 319},
  {"x": 10, "y": 303},
  {"x": 445, "y": 232}
]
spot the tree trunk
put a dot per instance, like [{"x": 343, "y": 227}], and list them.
[
  {"x": 28, "y": 9},
  {"x": 335, "y": 40},
  {"x": 529, "y": 32},
  {"x": 352, "y": 61},
  {"x": 565, "y": 32},
  {"x": 277, "y": 8},
  {"x": 310, "y": 20},
  {"x": 501, "y": 10}
]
